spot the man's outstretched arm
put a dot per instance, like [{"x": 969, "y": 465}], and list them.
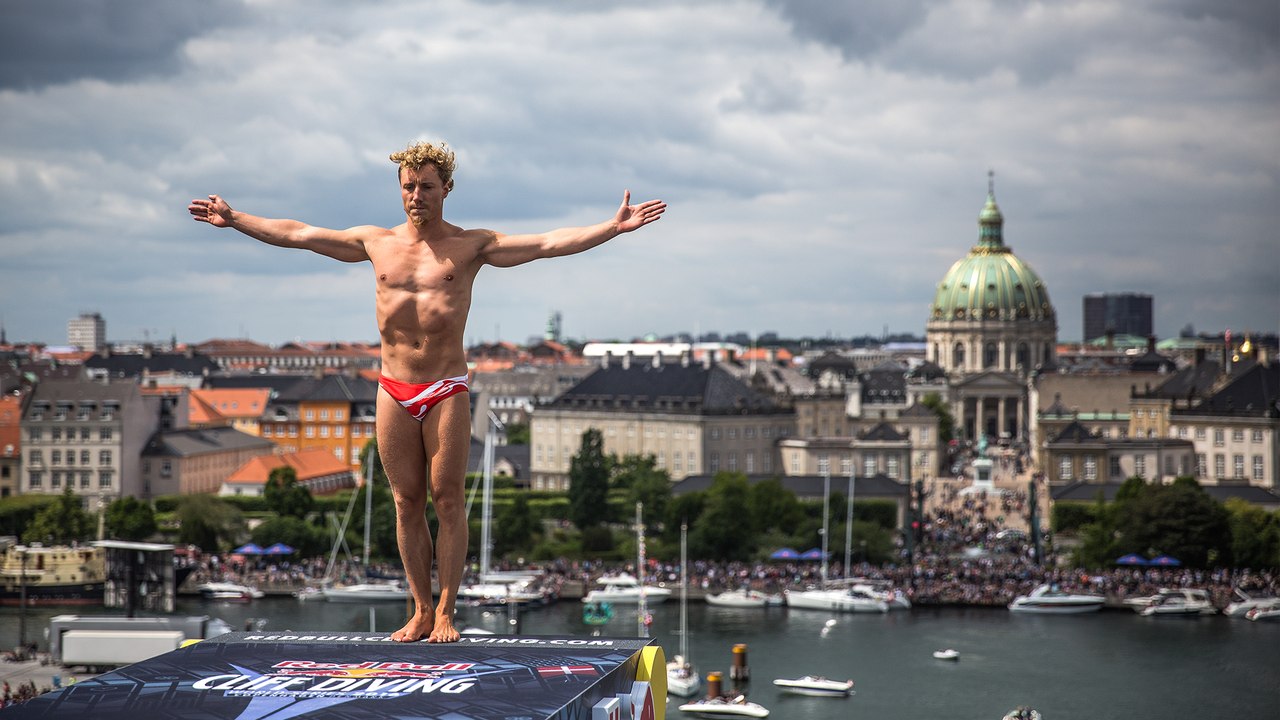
[
  {"x": 510, "y": 250},
  {"x": 344, "y": 245}
]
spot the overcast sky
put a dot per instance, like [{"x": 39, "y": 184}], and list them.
[{"x": 824, "y": 162}]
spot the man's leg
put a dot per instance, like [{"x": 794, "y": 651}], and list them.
[
  {"x": 401, "y": 450},
  {"x": 446, "y": 433}
]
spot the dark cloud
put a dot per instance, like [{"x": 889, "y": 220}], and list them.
[
  {"x": 49, "y": 42},
  {"x": 860, "y": 29}
]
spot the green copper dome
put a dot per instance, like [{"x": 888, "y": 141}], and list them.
[{"x": 991, "y": 283}]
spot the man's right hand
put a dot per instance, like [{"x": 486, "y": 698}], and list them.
[{"x": 214, "y": 211}]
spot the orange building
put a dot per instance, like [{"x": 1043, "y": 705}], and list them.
[{"x": 317, "y": 470}]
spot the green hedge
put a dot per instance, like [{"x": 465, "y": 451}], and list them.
[{"x": 1069, "y": 517}]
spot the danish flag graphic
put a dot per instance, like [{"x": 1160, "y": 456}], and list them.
[{"x": 560, "y": 670}]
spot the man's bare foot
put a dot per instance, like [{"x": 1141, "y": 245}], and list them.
[
  {"x": 444, "y": 631},
  {"x": 417, "y": 628}
]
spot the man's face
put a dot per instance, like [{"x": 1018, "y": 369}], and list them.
[{"x": 423, "y": 193}]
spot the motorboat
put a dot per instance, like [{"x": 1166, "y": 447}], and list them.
[
  {"x": 625, "y": 590},
  {"x": 851, "y": 599},
  {"x": 720, "y": 707},
  {"x": 309, "y": 593},
  {"x": 1050, "y": 599},
  {"x": 816, "y": 686},
  {"x": 228, "y": 591},
  {"x": 1259, "y": 614},
  {"x": 1243, "y": 603},
  {"x": 1183, "y": 602},
  {"x": 1022, "y": 713},
  {"x": 520, "y": 591},
  {"x": 367, "y": 592},
  {"x": 883, "y": 589},
  {"x": 682, "y": 677},
  {"x": 741, "y": 598},
  {"x": 947, "y": 654}
]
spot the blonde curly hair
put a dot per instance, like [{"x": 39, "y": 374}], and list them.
[{"x": 424, "y": 153}]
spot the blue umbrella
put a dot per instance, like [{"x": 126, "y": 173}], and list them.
[
  {"x": 1131, "y": 559},
  {"x": 1165, "y": 561},
  {"x": 784, "y": 554},
  {"x": 248, "y": 549},
  {"x": 811, "y": 554},
  {"x": 278, "y": 549}
]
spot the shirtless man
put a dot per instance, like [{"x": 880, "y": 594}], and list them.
[{"x": 425, "y": 269}]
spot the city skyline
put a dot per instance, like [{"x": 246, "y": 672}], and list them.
[{"x": 824, "y": 165}]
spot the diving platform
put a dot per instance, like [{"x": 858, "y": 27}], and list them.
[{"x": 350, "y": 675}]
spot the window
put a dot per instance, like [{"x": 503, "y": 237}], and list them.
[
  {"x": 733, "y": 433},
  {"x": 733, "y": 462},
  {"x": 677, "y": 462},
  {"x": 55, "y": 479},
  {"x": 55, "y": 457},
  {"x": 662, "y": 460},
  {"x": 1140, "y": 465},
  {"x": 310, "y": 431},
  {"x": 35, "y": 479},
  {"x": 1237, "y": 435},
  {"x": 1256, "y": 435},
  {"x": 84, "y": 479},
  {"x": 1237, "y": 466},
  {"x": 82, "y": 413},
  {"x": 824, "y": 464},
  {"x": 55, "y": 434},
  {"x": 104, "y": 434},
  {"x": 715, "y": 462},
  {"x": 1090, "y": 468},
  {"x": 293, "y": 431},
  {"x": 1202, "y": 465},
  {"x": 924, "y": 460},
  {"x": 324, "y": 414},
  {"x": 71, "y": 457},
  {"x": 324, "y": 431},
  {"x": 1199, "y": 433},
  {"x": 1113, "y": 467},
  {"x": 339, "y": 431},
  {"x": 1064, "y": 468},
  {"x": 104, "y": 479},
  {"x": 924, "y": 434},
  {"x": 84, "y": 434},
  {"x": 166, "y": 468},
  {"x": 36, "y": 457},
  {"x": 1169, "y": 468},
  {"x": 715, "y": 433},
  {"x": 266, "y": 431},
  {"x": 893, "y": 467},
  {"x": 751, "y": 462},
  {"x": 693, "y": 461},
  {"x": 1219, "y": 465},
  {"x": 1219, "y": 437},
  {"x": 338, "y": 452},
  {"x": 868, "y": 466},
  {"x": 1257, "y": 467},
  {"x": 795, "y": 463},
  {"x": 1182, "y": 433},
  {"x": 84, "y": 457},
  {"x": 34, "y": 434},
  {"x": 311, "y": 415},
  {"x": 104, "y": 457},
  {"x": 338, "y": 415}
]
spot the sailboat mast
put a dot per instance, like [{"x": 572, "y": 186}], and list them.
[
  {"x": 368, "y": 508},
  {"x": 848, "y": 527},
  {"x": 684, "y": 591},
  {"x": 642, "y": 629},
  {"x": 486, "y": 507},
  {"x": 826, "y": 513}
]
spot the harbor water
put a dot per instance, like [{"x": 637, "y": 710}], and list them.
[{"x": 1112, "y": 664}]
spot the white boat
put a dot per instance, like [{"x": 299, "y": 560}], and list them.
[
  {"x": 682, "y": 677},
  {"x": 742, "y": 598},
  {"x": 1022, "y": 713},
  {"x": 309, "y": 593},
  {"x": 836, "y": 599},
  {"x": 1183, "y": 602},
  {"x": 947, "y": 654},
  {"x": 625, "y": 590},
  {"x": 1264, "y": 614},
  {"x": 721, "y": 707},
  {"x": 854, "y": 597},
  {"x": 521, "y": 592},
  {"x": 1243, "y": 603},
  {"x": 367, "y": 592},
  {"x": 228, "y": 591},
  {"x": 1049, "y": 599},
  {"x": 816, "y": 686}
]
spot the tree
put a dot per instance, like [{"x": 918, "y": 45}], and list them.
[
  {"x": 589, "y": 482},
  {"x": 517, "y": 434},
  {"x": 208, "y": 523},
  {"x": 645, "y": 483},
  {"x": 382, "y": 526},
  {"x": 307, "y": 539},
  {"x": 515, "y": 527},
  {"x": 1255, "y": 535},
  {"x": 1181, "y": 520},
  {"x": 129, "y": 518},
  {"x": 773, "y": 507},
  {"x": 946, "y": 423},
  {"x": 285, "y": 496},
  {"x": 61, "y": 522},
  {"x": 722, "y": 533}
]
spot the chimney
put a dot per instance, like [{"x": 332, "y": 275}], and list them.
[
  {"x": 1199, "y": 359},
  {"x": 605, "y": 359},
  {"x": 657, "y": 359},
  {"x": 626, "y": 361},
  {"x": 1151, "y": 343},
  {"x": 1111, "y": 339},
  {"x": 706, "y": 359},
  {"x": 684, "y": 358}
]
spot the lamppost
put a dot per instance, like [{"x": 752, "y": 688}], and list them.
[{"x": 22, "y": 597}]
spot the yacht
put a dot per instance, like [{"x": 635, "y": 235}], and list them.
[
  {"x": 1260, "y": 614},
  {"x": 228, "y": 591},
  {"x": 851, "y": 599},
  {"x": 367, "y": 592},
  {"x": 625, "y": 590},
  {"x": 1049, "y": 599},
  {"x": 682, "y": 676},
  {"x": 816, "y": 686},
  {"x": 743, "y": 598},
  {"x": 721, "y": 707},
  {"x": 1184, "y": 602},
  {"x": 1242, "y": 603}
]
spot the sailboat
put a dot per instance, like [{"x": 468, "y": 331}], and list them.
[
  {"x": 386, "y": 591},
  {"x": 497, "y": 588},
  {"x": 682, "y": 676},
  {"x": 853, "y": 598}
]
